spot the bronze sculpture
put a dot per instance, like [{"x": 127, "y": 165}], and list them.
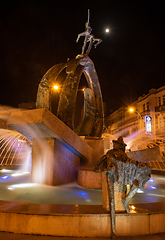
[
  {"x": 88, "y": 37},
  {"x": 125, "y": 171},
  {"x": 68, "y": 76},
  {"x": 121, "y": 172}
]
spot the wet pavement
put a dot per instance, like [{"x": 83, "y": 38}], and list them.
[{"x": 16, "y": 186}]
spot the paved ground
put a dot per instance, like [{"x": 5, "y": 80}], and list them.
[{"x": 11, "y": 236}]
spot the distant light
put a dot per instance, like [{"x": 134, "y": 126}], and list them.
[
  {"x": 107, "y": 30},
  {"x": 131, "y": 110},
  {"x": 5, "y": 177},
  {"x": 133, "y": 207},
  {"x": 152, "y": 187},
  {"x": 82, "y": 193},
  {"x": 151, "y": 180},
  {"x": 81, "y": 90},
  {"x": 55, "y": 87}
]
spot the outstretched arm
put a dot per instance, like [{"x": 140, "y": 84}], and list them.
[
  {"x": 81, "y": 34},
  {"x": 96, "y": 169},
  {"x": 88, "y": 16}
]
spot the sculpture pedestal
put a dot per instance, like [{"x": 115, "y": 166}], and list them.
[
  {"x": 55, "y": 165},
  {"x": 89, "y": 179},
  {"x": 56, "y": 149},
  {"x": 98, "y": 149},
  {"x": 86, "y": 177},
  {"x": 117, "y": 196}
]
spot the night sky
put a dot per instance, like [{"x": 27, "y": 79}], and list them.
[{"x": 35, "y": 35}]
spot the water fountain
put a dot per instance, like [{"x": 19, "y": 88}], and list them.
[{"x": 59, "y": 149}]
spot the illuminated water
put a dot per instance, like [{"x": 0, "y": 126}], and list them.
[{"x": 16, "y": 187}]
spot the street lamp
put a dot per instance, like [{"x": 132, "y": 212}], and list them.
[{"x": 132, "y": 110}]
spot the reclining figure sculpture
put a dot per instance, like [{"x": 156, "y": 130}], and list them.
[{"x": 120, "y": 169}]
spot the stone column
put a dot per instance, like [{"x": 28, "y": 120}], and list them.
[
  {"x": 98, "y": 149},
  {"x": 53, "y": 163}
]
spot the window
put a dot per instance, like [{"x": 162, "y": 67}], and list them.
[
  {"x": 144, "y": 108},
  {"x": 163, "y": 99},
  {"x": 148, "y": 106},
  {"x": 159, "y": 101}
]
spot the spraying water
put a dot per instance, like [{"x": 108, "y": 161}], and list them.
[{"x": 16, "y": 149}]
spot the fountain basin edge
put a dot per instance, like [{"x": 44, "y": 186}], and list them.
[{"x": 79, "y": 220}]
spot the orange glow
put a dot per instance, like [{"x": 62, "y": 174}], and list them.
[
  {"x": 55, "y": 87},
  {"x": 131, "y": 109}
]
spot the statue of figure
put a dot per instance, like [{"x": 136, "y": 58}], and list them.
[
  {"x": 88, "y": 37},
  {"x": 124, "y": 171},
  {"x": 121, "y": 172}
]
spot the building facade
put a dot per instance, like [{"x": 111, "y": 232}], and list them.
[{"x": 148, "y": 116}]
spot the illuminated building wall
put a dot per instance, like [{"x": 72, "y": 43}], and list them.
[{"x": 149, "y": 116}]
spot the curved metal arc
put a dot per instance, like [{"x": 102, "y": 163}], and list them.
[
  {"x": 68, "y": 95},
  {"x": 67, "y": 102},
  {"x": 93, "y": 82},
  {"x": 45, "y": 86},
  {"x": 89, "y": 113}
]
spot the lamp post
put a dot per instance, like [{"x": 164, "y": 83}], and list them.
[{"x": 132, "y": 110}]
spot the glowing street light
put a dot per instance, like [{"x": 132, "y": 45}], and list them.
[
  {"x": 82, "y": 89},
  {"x": 107, "y": 30},
  {"x": 55, "y": 87},
  {"x": 131, "y": 109}
]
